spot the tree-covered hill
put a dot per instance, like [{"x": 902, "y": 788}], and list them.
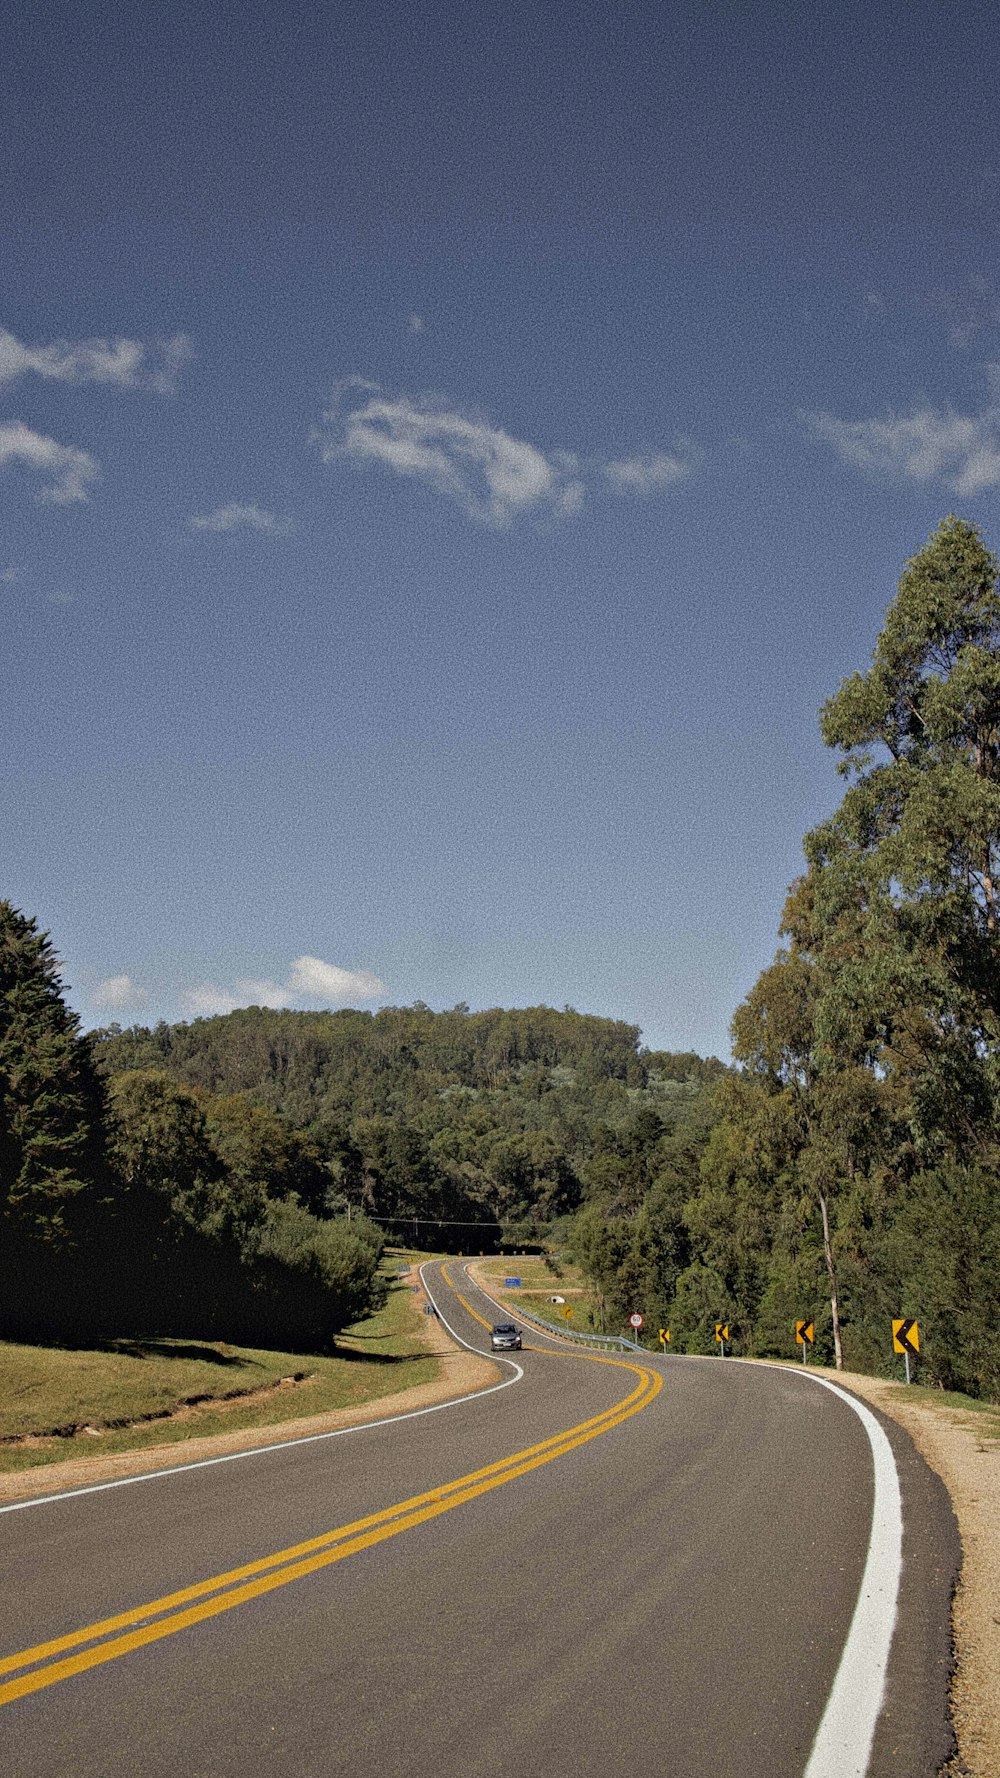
[
  {"x": 309, "y": 1063},
  {"x": 497, "y": 1122}
]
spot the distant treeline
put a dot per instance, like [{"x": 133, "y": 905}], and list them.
[{"x": 466, "y": 1129}]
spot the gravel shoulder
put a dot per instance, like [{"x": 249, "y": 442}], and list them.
[{"x": 962, "y": 1447}]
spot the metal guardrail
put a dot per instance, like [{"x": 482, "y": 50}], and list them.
[{"x": 609, "y": 1342}]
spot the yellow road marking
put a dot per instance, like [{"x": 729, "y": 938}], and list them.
[
  {"x": 73, "y": 1639},
  {"x": 595, "y": 1357},
  {"x": 291, "y": 1564}
]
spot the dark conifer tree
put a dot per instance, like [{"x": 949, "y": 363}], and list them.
[{"x": 50, "y": 1098}]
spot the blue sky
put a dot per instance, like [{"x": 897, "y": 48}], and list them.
[{"x": 447, "y": 455}]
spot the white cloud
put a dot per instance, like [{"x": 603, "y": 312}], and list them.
[
  {"x": 235, "y": 517},
  {"x": 493, "y": 476},
  {"x": 126, "y": 364},
  {"x": 650, "y": 474},
  {"x": 69, "y": 469},
  {"x": 8, "y": 576},
  {"x": 415, "y": 324},
  {"x": 971, "y": 309},
  {"x": 206, "y": 1000},
  {"x": 263, "y": 993},
  {"x": 118, "y": 993},
  {"x": 962, "y": 452},
  {"x": 309, "y": 979},
  {"x": 325, "y": 981}
]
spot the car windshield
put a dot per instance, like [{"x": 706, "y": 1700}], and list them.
[{"x": 507, "y": 1327}]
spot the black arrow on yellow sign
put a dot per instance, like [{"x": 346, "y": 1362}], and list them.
[
  {"x": 805, "y": 1330},
  {"x": 906, "y": 1337},
  {"x": 722, "y": 1330}
]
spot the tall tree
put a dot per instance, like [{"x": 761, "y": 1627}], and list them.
[
  {"x": 50, "y": 1101},
  {"x": 908, "y": 866}
]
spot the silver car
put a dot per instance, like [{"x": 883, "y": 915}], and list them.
[{"x": 505, "y": 1337}]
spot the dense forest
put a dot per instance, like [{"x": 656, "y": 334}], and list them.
[
  {"x": 467, "y": 1128},
  {"x": 241, "y": 1173}
]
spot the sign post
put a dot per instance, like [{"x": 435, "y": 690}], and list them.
[
  {"x": 906, "y": 1339},
  {"x": 722, "y": 1335},
  {"x": 568, "y": 1311},
  {"x": 805, "y": 1333},
  {"x": 664, "y": 1337},
  {"x": 635, "y": 1322}
]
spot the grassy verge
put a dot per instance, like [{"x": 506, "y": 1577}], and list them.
[
  {"x": 60, "y": 1402},
  {"x": 951, "y": 1402},
  {"x": 539, "y": 1284}
]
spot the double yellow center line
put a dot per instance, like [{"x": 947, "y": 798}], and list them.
[{"x": 50, "y": 1662}]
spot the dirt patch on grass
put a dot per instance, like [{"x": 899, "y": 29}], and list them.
[
  {"x": 459, "y": 1373},
  {"x": 188, "y": 1410}
]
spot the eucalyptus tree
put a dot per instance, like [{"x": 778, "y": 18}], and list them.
[{"x": 906, "y": 871}]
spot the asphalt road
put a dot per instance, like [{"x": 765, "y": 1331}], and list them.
[{"x": 596, "y": 1570}]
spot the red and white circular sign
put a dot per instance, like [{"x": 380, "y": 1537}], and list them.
[{"x": 635, "y": 1320}]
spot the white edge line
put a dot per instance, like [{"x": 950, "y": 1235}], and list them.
[
  {"x": 286, "y": 1444},
  {"x": 843, "y": 1744}
]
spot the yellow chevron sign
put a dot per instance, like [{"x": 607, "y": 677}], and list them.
[
  {"x": 906, "y": 1337},
  {"x": 722, "y": 1330},
  {"x": 804, "y": 1330}
]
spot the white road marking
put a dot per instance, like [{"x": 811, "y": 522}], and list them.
[
  {"x": 286, "y": 1444},
  {"x": 843, "y": 1744}
]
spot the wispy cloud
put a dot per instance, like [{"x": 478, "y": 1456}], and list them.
[
  {"x": 960, "y": 451},
  {"x": 970, "y": 310},
  {"x": 263, "y": 993},
  {"x": 206, "y": 1001},
  {"x": 236, "y": 517},
  {"x": 650, "y": 474},
  {"x": 492, "y": 475},
  {"x": 415, "y": 324},
  {"x": 495, "y": 477},
  {"x": 310, "y": 979},
  {"x": 124, "y": 363},
  {"x": 7, "y": 576},
  {"x": 325, "y": 981},
  {"x": 119, "y": 993},
  {"x": 68, "y": 470}
]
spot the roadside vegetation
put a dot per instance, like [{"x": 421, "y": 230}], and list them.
[
  {"x": 544, "y": 1278},
  {"x": 129, "y": 1394}
]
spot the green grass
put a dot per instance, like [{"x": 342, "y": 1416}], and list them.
[
  {"x": 538, "y": 1285},
  {"x": 952, "y": 1399},
  {"x": 46, "y": 1388}
]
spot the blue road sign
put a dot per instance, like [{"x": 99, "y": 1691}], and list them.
[{"x": 511, "y": 1283}]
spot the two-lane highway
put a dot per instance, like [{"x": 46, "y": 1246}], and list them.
[{"x": 629, "y": 1567}]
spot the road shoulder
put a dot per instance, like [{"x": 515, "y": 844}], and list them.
[{"x": 953, "y": 1444}]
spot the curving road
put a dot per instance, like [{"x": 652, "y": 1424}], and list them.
[{"x": 617, "y": 1569}]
